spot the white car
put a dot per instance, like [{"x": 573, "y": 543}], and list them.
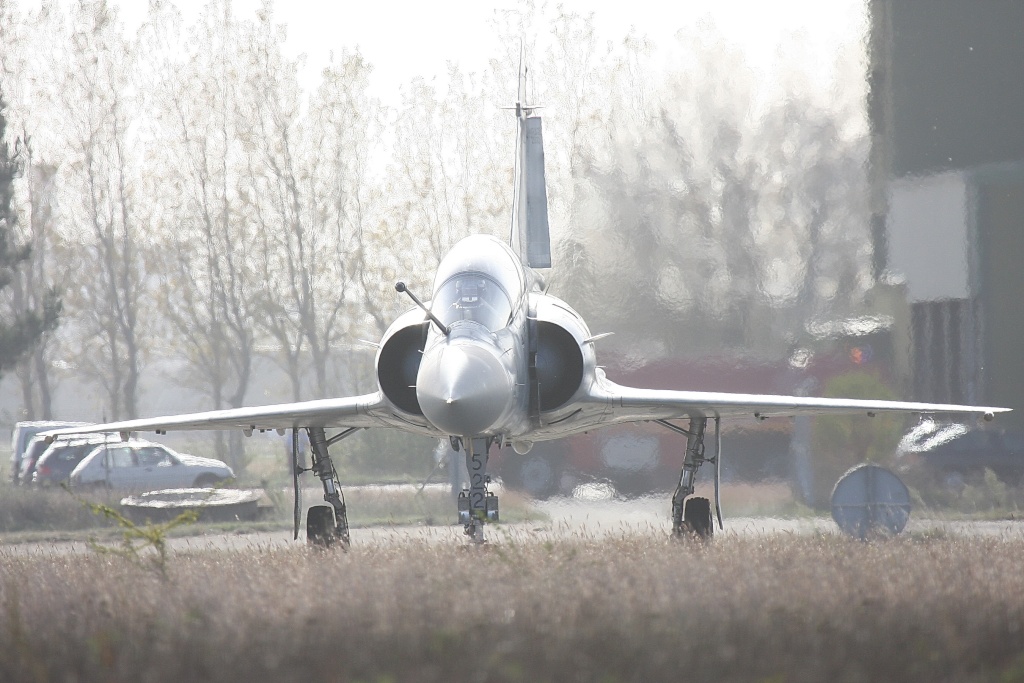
[{"x": 138, "y": 465}]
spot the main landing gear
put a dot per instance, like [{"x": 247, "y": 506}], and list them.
[
  {"x": 477, "y": 505},
  {"x": 326, "y": 525},
  {"x": 692, "y": 516}
]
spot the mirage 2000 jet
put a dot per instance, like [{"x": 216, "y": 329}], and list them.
[{"x": 490, "y": 361}]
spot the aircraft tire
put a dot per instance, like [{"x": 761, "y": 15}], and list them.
[
  {"x": 697, "y": 515},
  {"x": 320, "y": 527}
]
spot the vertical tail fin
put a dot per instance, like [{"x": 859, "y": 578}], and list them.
[{"x": 530, "y": 236}]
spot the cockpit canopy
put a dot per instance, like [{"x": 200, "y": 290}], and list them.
[
  {"x": 473, "y": 296},
  {"x": 481, "y": 280}
]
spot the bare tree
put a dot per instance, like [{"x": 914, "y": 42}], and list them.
[
  {"x": 33, "y": 289},
  {"x": 287, "y": 246},
  {"x": 21, "y": 331},
  {"x": 449, "y": 174},
  {"x": 208, "y": 275},
  {"x": 32, "y": 286},
  {"x": 102, "y": 207},
  {"x": 342, "y": 135},
  {"x": 723, "y": 223},
  {"x": 311, "y": 200}
]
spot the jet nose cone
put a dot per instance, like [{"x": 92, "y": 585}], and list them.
[{"x": 463, "y": 388}]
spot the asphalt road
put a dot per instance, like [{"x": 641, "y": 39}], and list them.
[{"x": 593, "y": 517}]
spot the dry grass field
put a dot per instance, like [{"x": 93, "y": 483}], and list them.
[{"x": 636, "y": 608}]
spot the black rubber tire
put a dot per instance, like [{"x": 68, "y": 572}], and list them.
[
  {"x": 697, "y": 517},
  {"x": 320, "y": 526}
]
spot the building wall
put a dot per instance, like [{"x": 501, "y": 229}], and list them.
[
  {"x": 957, "y": 79},
  {"x": 1001, "y": 212},
  {"x": 946, "y": 109},
  {"x": 929, "y": 236}
]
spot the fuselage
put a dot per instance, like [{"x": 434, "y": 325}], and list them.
[
  {"x": 500, "y": 358},
  {"x": 471, "y": 381}
]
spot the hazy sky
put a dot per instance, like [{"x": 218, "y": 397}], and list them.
[{"x": 406, "y": 38}]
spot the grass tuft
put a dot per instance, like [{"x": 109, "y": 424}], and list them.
[{"x": 144, "y": 545}]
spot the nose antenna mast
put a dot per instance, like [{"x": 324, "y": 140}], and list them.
[{"x": 400, "y": 287}]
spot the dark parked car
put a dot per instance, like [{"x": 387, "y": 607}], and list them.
[
  {"x": 56, "y": 463},
  {"x": 21, "y": 437},
  {"x": 956, "y": 451},
  {"x": 27, "y": 462}
]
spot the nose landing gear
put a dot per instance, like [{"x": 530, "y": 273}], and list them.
[{"x": 477, "y": 505}]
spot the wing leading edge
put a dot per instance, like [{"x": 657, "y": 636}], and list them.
[
  {"x": 629, "y": 404},
  {"x": 367, "y": 410}
]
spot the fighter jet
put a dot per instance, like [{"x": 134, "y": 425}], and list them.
[{"x": 491, "y": 360}]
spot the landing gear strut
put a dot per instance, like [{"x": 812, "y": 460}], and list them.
[
  {"x": 693, "y": 516},
  {"x": 327, "y": 525},
  {"x": 477, "y": 505}
]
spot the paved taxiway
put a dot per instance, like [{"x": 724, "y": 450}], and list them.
[{"x": 567, "y": 518}]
